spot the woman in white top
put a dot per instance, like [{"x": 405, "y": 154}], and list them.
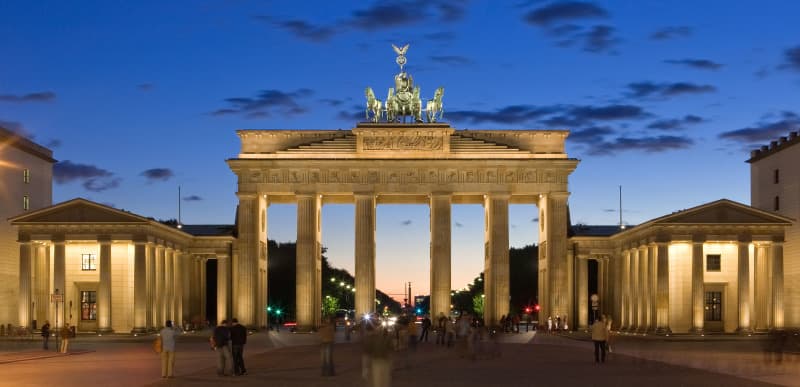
[{"x": 168, "y": 334}]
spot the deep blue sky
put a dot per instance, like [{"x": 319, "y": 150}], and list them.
[{"x": 665, "y": 98}]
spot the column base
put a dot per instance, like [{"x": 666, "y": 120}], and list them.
[
  {"x": 697, "y": 331},
  {"x": 105, "y": 330},
  {"x": 664, "y": 331},
  {"x": 744, "y": 331},
  {"x": 139, "y": 331}
]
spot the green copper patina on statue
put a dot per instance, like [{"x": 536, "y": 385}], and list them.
[{"x": 403, "y": 99}]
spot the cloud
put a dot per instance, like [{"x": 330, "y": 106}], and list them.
[
  {"x": 332, "y": 102},
  {"x": 192, "y": 198},
  {"x": 459, "y": 225},
  {"x": 101, "y": 184},
  {"x": 155, "y": 174},
  {"x": 356, "y": 113},
  {"x": 599, "y": 39},
  {"x": 792, "y": 59},
  {"x": 44, "y": 96},
  {"x": 453, "y": 60},
  {"x": 302, "y": 29},
  {"x": 535, "y": 220},
  {"x": 590, "y": 135},
  {"x": 644, "y": 144},
  {"x": 703, "y": 64},
  {"x": 586, "y": 115},
  {"x": 563, "y": 11},
  {"x": 514, "y": 114},
  {"x": 406, "y": 222},
  {"x": 441, "y": 36},
  {"x": 94, "y": 179},
  {"x": 676, "y": 124},
  {"x": 764, "y": 131},
  {"x": 646, "y": 89},
  {"x": 145, "y": 86},
  {"x": 267, "y": 102},
  {"x": 671, "y": 33}
]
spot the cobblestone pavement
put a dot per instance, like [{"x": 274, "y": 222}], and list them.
[{"x": 287, "y": 359}]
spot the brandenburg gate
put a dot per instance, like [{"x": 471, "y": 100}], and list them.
[{"x": 389, "y": 161}]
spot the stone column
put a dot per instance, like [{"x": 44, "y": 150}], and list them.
[
  {"x": 651, "y": 291},
  {"x": 582, "y": 282},
  {"x": 139, "y": 287},
  {"x": 150, "y": 258},
  {"x": 203, "y": 289},
  {"x": 252, "y": 217},
  {"x": 602, "y": 279},
  {"x": 41, "y": 284},
  {"x": 308, "y": 292},
  {"x": 159, "y": 296},
  {"x": 169, "y": 284},
  {"x": 662, "y": 289},
  {"x": 496, "y": 265},
  {"x": 555, "y": 233},
  {"x": 777, "y": 285},
  {"x": 644, "y": 305},
  {"x": 633, "y": 294},
  {"x": 59, "y": 275},
  {"x": 104, "y": 288},
  {"x": 743, "y": 283},
  {"x": 223, "y": 273},
  {"x": 365, "y": 254},
  {"x": 180, "y": 274},
  {"x": 440, "y": 254},
  {"x": 25, "y": 286},
  {"x": 697, "y": 287},
  {"x": 624, "y": 271}
]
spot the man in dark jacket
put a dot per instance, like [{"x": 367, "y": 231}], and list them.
[
  {"x": 238, "y": 340},
  {"x": 221, "y": 340}
]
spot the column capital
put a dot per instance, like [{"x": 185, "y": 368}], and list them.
[
  {"x": 364, "y": 194},
  {"x": 104, "y": 239},
  {"x": 497, "y": 195},
  {"x": 558, "y": 195}
]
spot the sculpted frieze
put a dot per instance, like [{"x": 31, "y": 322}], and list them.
[
  {"x": 428, "y": 176},
  {"x": 403, "y": 142}
]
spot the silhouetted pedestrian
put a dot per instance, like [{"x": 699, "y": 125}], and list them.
[
  {"x": 238, "y": 340},
  {"x": 426, "y": 326},
  {"x": 326, "y": 334},
  {"x": 221, "y": 342},
  {"x": 45, "y": 334}
]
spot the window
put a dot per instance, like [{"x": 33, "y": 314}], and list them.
[
  {"x": 88, "y": 305},
  {"x": 777, "y": 203},
  {"x": 88, "y": 262},
  {"x": 713, "y": 262},
  {"x": 777, "y": 177},
  {"x": 26, "y": 203},
  {"x": 713, "y": 307},
  {"x": 26, "y": 175}
]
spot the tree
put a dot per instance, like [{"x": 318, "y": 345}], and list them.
[
  {"x": 329, "y": 306},
  {"x": 477, "y": 305}
]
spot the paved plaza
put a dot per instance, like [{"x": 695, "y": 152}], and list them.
[{"x": 286, "y": 359}]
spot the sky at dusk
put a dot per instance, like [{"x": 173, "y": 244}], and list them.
[{"x": 665, "y": 98}]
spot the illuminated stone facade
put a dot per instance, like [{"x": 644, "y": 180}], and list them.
[
  {"x": 116, "y": 271},
  {"x": 717, "y": 267},
  {"x": 395, "y": 163},
  {"x": 775, "y": 187},
  {"x": 26, "y": 179}
]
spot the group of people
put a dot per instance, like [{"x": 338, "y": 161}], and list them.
[
  {"x": 557, "y": 324},
  {"x": 66, "y": 333}
]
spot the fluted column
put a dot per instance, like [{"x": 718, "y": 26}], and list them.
[
  {"x": 223, "y": 286},
  {"x": 633, "y": 295},
  {"x": 160, "y": 297},
  {"x": 582, "y": 282},
  {"x": 25, "y": 294},
  {"x": 104, "y": 287},
  {"x": 180, "y": 273},
  {"x": 496, "y": 266},
  {"x": 743, "y": 283},
  {"x": 761, "y": 291},
  {"x": 697, "y": 287},
  {"x": 203, "y": 289},
  {"x": 651, "y": 290},
  {"x": 365, "y": 253},
  {"x": 662, "y": 289},
  {"x": 169, "y": 284},
  {"x": 139, "y": 287},
  {"x": 308, "y": 261},
  {"x": 777, "y": 285},
  {"x": 252, "y": 232},
  {"x": 644, "y": 301},
  {"x": 41, "y": 283},
  {"x": 555, "y": 233},
  {"x": 625, "y": 274},
  {"x": 59, "y": 275},
  {"x": 150, "y": 259},
  {"x": 602, "y": 280},
  {"x": 440, "y": 254}
]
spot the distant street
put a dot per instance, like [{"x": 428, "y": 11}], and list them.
[{"x": 286, "y": 359}]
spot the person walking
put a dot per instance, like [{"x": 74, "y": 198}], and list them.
[
  {"x": 221, "y": 341},
  {"x": 45, "y": 334},
  {"x": 426, "y": 326},
  {"x": 441, "y": 329},
  {"x": 238, "y": 340},
  {"x": 168, "y": 335},
  {"x": 599, "y": 337},
  {"x": 66, "y": 334},
  {"x": 327, "y": 333}
]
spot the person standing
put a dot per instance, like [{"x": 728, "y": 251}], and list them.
[
  {"x": 326, "y": 335},
  {"x": 599, "y": 337},
  {"x": 221, "y": 340},
  {"x": 441, "y": 329},
  {"x": 45, "y": 334},
  {"x": 168, "y": 334},
  {"x": 238, "y": 340},
  {"x": 426, "y": 326},
  {"x": 66, "y": 334}
]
